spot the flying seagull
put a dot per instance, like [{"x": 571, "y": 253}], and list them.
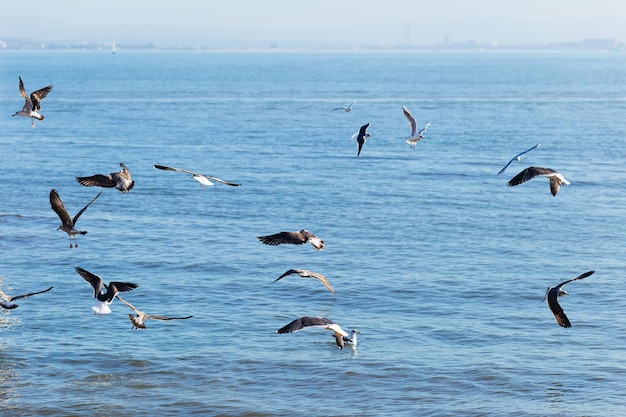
[
  {"x": 360, "y": 137},
  {"x": 529, "y": 173},
  {"x": 67, "y": 223},
  {"x": 416, "y": 135},
  {"x": 346, "y": 109},
  {"x": 121, "y": 180},
  {"x": 8, "y": 303},
  {"x": 517, "y": 158},
  {"x": 32, "y": 104},
  {"x": 294, "y": 238},
  {"x": 138, "y": 320},
  {"x": 341, "y": 336},
  {"x": 552, "y": 295},
  {"x": 204, "y": 180},
  {"x": 103, "y": 299},
  {"x": 308, "y": 274}
]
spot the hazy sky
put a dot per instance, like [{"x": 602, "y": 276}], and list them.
[{"x": 313, "y": 23}]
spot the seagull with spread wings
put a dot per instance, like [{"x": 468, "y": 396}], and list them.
[
  {"x": 294, "y": 238},
  {"x": 204, "y": 180},
  {"x": 517, "y": 158},
  {"x": 360, "y": 137},
  {"x": 552, "y": 295},
  {"x": 68, "y": 223},
  {"x": 32, "y": 103},
  {"x": 308, "y": 274},
  {"x": 103, "y": 298},
  {"x": 140, "y": 317},
  {"x": 416, "y": 135},
  {"x": 120, "y": 180},
  {"x": 341, "y": 336},
  {"x": 529, "y": 173},
  {"x": 346, "y": 109},
  {"x": 7, "y": 300}
]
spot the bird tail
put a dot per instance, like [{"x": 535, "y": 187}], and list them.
[{"x": 101, "y": 308}]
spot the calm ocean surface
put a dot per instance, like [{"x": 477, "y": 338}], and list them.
[{"x": 438, "y": 263}]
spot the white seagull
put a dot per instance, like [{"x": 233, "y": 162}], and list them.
[
  {"x": 517, "y": 158},
  {"x": 308, "y": 274},
  {"x": 140, "y": 317},
  {"x": 529, "y": 173},
  {"x": 67, "y": 223},
  {"x": 204, "y": 180},
  {"x": 552, "y": 295},
  {"x": 103, "y": 299},
  {"x": 346, "y": 109},
  {"x": 294, "y": 238},
  {"x": 32, "y": 103},
  {"x": 8, "y": 303},
  {"x": 341, "y": 336},
  {"x": 120, "y": 180},
  {"x": 416, "y": 135},
  {"x": 360, "y": 137}
]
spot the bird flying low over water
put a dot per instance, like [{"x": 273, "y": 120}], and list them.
[
  {"x": 67, "y": 223},
  {"x": 517, "y": 158},
  {"x": 294, "y": 238},
  {"x": 204, "y": 180},
  {"x": 552, "y": 295},
  {"x": 360, "y": 137},
  {"x": 346, "y": 109},
  {"x": 416, "y": 135},
  {"x": 341, "y": 336},
  {"x": 529, "y": 173},
  {"x": 140, "y": 317},
  {"x": 7, "y": 301},
  {"x": 103, "y": 299},
  {"x": 121, "y": 180},
  {"x": 308, "y": 274},
  {"x": 32, "y": 103}
]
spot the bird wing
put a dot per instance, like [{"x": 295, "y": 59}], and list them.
[
  {"x": 294, "y": 238},
  {"x": 232, "y": 184},
  {"x": 291, "y": 271},
  {"x": 363, "y": 129},
  {"x": 129, "y": 305},
  {"x": 97, "y": 180},
  {"x": 22, "y": 89},
  {"x": 59, "y": 208},
  {"x": 581, "y": 276},
  {"x": 411, "y": 120},
  {"x": 515, "y": 157},
  {"x": 37, "y": 96},
  {"x": 556, "y": 309},
  {"x": 424, "y": 129},
  {"x": 167, "y": 318},
  {"x": 321, "y": 278},
  {"x": 75, "y": 219},
  {"x": 166, "y": 168},
  {"x": 5, "y": 296},
  {"x": 528, "y": 174},
  {"x": 17, "y": 297},
  {"x": 94, "y": 280},
  {"x": 302, "y": 322}
]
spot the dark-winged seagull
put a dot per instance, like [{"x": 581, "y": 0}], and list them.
[
  {"x": 294, "y": 238},
  {"x": 121, "y": 180},
  {"x": 416, "y": 135},
  {"x": 529, "y": 173},
  {"x": 103, "y": 299},
  {"x": 360, "y": 137},
  {"x": 346, "y": 109},
  {"x": 204, "y": 180},
  {"x": 140, "y": 317},
  {"x": 517, "y": 158},
  {"x": 32, "y": 103},
  {"x": 308, "y": 274},
  {"x": 7, "y": 300},
  {"x": 552, "y": 295},
  {"x": 67, "y": 223},
  {"x": 341, "y": 336}
]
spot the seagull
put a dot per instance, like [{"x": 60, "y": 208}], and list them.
[
  {"x": 360, "y": 137},
  {"x": 204, "y": 180},
  {"x": 308, "y": 274},
  {"x": 138, "y": 320},
  {"x": 529, "y": 173},
  {"x": 33, "y": 103},
  {"x": 416, "y": 135},
  {"x": 67, "y": 223},
  {"x": 517, "y": 158},
  {"x": 341, "y": 336},
  {"x": 8, "y": 300},
  {"x": 121, "y": 180},
  {"x": 294, "y": 238},
  {"x": 552, "y": 295},
  {"x": 346, "y": 109},
  {"x": 103, "y": 299}
]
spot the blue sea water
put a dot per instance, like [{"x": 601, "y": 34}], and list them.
[{"x": 438, "y": 263}]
